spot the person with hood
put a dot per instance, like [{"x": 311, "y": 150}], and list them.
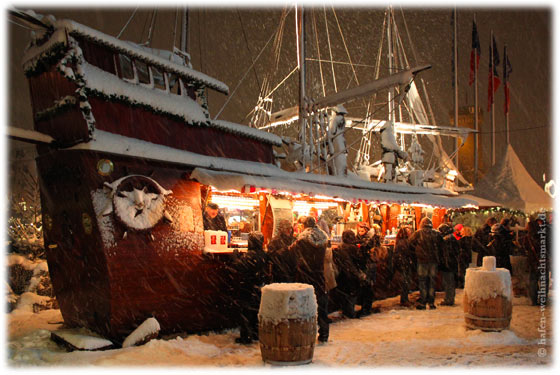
[
  {"x": 251, "y": 268},
  {"x": 309, "y": 251},
  {"x": 501, "y": 246},
  {"x": 367, "y": 242},
  {"x": 350, "y": 276},
  {"x": 282, "y": 262},
  {"x": 404, "y": 262},
  {"x": 468, "y": 243},
  {"x": 426, "y": 243},
  {"x": 449, "y": 264}
]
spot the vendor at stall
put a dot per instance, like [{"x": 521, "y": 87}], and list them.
[{"x": 213, "y": 219}]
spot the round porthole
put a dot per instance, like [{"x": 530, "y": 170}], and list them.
[{"x": 105, "y": 167}]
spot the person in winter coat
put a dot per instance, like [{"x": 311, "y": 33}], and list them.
[
  {"x": 483, "y": 233},
  {"x": 282, "y": 262},
  {"x": 350, "y": 276},
  {"x": 426, "y": 243},
  {"x": 321, "y": 223},
  {"x": 309, "y": 251},
  {"x": 404, "y": 262},
  {"x": 252, "y": 270},
  {"x": 213, "y": 219},
  {"x": 468, "y": 244},
  {"x": 367, "y": 242},
  {"x": 449, "y": 264},
  {"x": 501, "y": 246}
]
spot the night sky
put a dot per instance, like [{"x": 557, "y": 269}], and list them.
[{"x": 224, "y": 41}]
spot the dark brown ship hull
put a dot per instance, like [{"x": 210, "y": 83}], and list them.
[{"x": 109, "y": 277}]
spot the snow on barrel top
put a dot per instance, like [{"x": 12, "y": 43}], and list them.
[
  {"x": 487, "y": 281},
  {"x": 285, "y": 301}
]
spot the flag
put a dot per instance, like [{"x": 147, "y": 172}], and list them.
[
  {"x": 493, "y": 77},
  {"x": 475, "y": 49},
  {"x": 507, "y": 72}
]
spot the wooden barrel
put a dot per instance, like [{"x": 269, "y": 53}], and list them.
[
  {"x": 287, "y": 323},
  {"x": 487, "y": 299}
]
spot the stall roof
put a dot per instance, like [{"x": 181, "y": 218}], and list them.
[
  {"x": 240, "y": 175},
  {"x": 480, "y": 202},
  {"x": 245, "y": 183},
  {"x": 509, "y": 184}
]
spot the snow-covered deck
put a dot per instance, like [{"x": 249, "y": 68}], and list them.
[{"x": 138, "y": 52}]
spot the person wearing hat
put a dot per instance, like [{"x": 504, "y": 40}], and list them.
[
  {"x": 213, "y": 219},
  {"x": 449, "y": 265},
  {"x": 309, "y": 250},
  {"x": 426, "y": 243}
]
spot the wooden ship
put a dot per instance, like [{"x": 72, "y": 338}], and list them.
[{"x": 120, "y": 129}]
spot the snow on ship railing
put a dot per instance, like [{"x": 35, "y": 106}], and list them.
[
  {"x": 169, "y": 94},
  {"x": 290, "y": 115},
  {"x": 60, "y": 27}
]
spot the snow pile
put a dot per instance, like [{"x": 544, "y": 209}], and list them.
[
  {"x": 81, "y": 339},
  {"x": 16, "y": 259},
  {"x": 396, "y": 337},
  {"x": 28, "y": 300},
  {"x": 481, "y": 284},
  {"x": 147, "y": 330},
  {"x": 489, "y": 263},
  {"x": 283, "y": 301}
]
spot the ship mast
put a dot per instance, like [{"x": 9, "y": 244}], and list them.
[
  {"x": 184, "y": 30},
  {"x": 300, "y": 24}
]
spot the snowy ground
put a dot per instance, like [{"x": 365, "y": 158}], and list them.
[{"x": 393, "y": 337}]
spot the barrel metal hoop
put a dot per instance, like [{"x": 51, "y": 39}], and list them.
[
  {"x": 474, "y": 317},
  {"x": 285, "y": 348}
]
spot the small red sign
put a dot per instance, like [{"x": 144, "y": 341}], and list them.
[{"x": 213, "y": 239}]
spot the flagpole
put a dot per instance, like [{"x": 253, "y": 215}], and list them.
[
  {"x": 505, "y": 85},
  {"x": 456, "y": 93},
  {"x": 493, "y": 146},
  {"x": 475, "y": 113}
]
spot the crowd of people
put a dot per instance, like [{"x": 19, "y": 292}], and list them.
[{"x": 345, "y": 274}]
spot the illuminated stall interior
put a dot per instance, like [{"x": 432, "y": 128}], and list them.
[{"x": 261, "y": 210}]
